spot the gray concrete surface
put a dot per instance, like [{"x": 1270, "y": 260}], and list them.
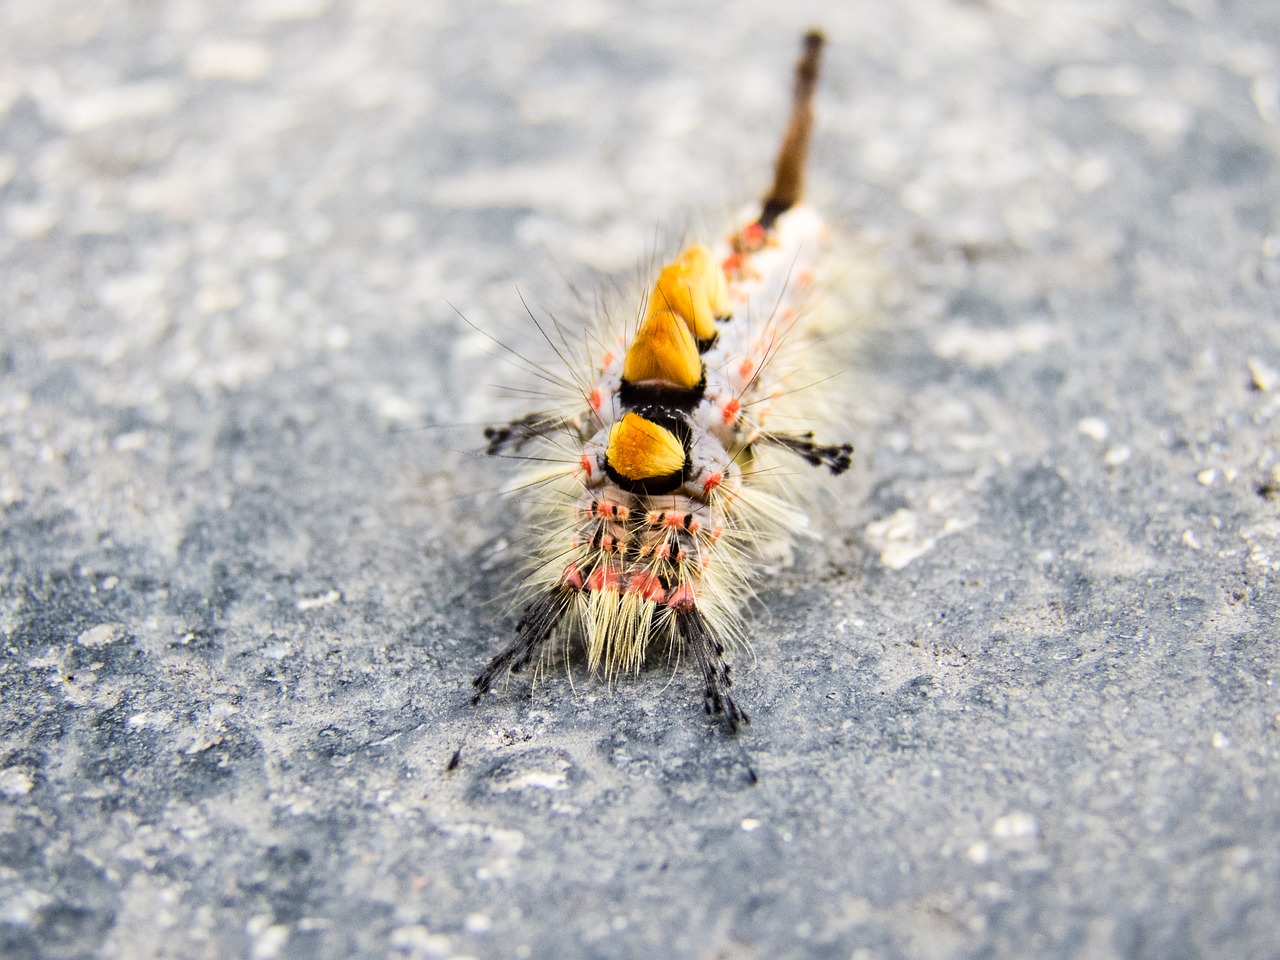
[{"x": 1020, "y": 699}]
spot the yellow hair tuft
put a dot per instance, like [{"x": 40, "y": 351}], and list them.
[
  {"x": 693, "y": 287},
  {"x": 639, "y": 449},
  {"x": 663, "y": 350}
]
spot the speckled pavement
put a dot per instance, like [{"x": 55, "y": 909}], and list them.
[{"x": 1016, "y": 701}]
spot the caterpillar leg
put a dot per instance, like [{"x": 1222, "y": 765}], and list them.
[
  {"x": 537, "y": 624},
  {"x": 837, "y": 457},
  {"x": 708, "y": 653}
]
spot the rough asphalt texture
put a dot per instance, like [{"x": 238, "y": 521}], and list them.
[{"x": 1018, "y": 701}]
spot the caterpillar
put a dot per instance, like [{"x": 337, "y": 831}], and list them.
[{"x": 665, "y": 479}]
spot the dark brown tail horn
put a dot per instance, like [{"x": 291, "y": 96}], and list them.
[{"x": 788, "y": 177}]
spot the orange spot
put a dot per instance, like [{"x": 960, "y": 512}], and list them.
[
  {"x": 747, "y": 368},
  {"x": 647, "y": 586},
  {"x": 586, "y": 465},
  {"x": 731, "y": 410},
  {"x": 713, "y": 481},
  {"x": 675, "y": 521},
  {"x": 607, "y": 508},
  {"x": 594, "y": 399},
  {"x": 753, "y": 234},
  {"x": 607, "y": 360},
  {"x": 603, "y": 578},
  {"x": 732, "y": 263}
]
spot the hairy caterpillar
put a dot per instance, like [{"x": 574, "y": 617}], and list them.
[{"x": 669, "y": 484}]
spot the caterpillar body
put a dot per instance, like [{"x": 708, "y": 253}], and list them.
[{"x": 653, "y": 527}]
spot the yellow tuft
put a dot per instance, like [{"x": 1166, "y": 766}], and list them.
[
  {"x": 707, "y": 272},
  {"x": 664, "y": 350},
  {"x": 693, "y": 287},
  {"x": 639, "y": 449}
]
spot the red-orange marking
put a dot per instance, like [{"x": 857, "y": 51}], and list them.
[
  {"x": 572, "y": 576},
  {"x": 603, "y": 578},
  {"x": 647, "y": 586}
]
